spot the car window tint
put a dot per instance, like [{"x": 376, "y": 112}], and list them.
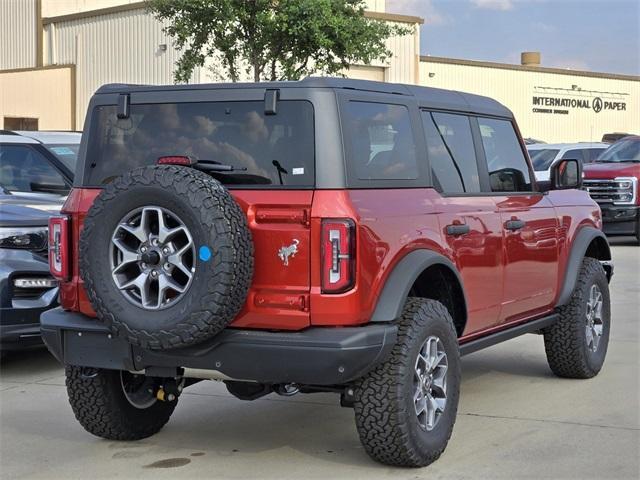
[
  {"x": 262, "y": 149},
  {"x": 381, "y": 141},
  {"x": 542, "y": 158},
  {"x": 592, "y": 153},
  {"x": 575, "y": 154},
  {"x": 23, "y": 169},
  {"x": 507, "y": 165},
  {"x": 67, "y": 154},
  {"x": 451, "y": 153}
]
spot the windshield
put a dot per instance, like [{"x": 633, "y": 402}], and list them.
[
  {"x": 542, "y": 158},
  {"x": 622, "y": 151},
  {"x": 67, "y": 154},
  {"x": 255, "y": 148}
]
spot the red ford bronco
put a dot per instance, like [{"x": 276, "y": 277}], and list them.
[{"x": 326, "y": 235}]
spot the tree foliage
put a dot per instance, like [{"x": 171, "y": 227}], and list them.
[{"x": 273, "y": 39}]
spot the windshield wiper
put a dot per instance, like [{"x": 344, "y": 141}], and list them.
[{"x": 213, "y": 166}]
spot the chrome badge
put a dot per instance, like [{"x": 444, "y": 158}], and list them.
[{"x": 285, "y": 252}]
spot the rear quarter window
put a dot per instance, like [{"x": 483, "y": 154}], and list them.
[
  {"x": 265, "y": 150},
  {"x": 381, "y": 143}
]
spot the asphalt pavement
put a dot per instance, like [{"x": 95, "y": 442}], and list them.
[{"x": 516, "y": 420}]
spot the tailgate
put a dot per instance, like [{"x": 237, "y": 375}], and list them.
[{"x": 280, "y": 225}]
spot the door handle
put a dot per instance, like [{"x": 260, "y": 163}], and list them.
[
  {"x": 457, "y": 229},
  {"x": 515, "y": 224}
]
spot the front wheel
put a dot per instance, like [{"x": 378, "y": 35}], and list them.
[
  {"x": 576, "y": 345},
  {"x": 117, "y": 405},
  {"x": 406, "y": 407}
]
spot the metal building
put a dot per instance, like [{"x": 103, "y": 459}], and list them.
[
  {"x": 55, "y": 53},
  {"x": 104, "y": 41},
  {"x": 550, "y": 104}
]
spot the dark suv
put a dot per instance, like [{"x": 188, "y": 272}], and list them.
[{"x": 323, "y": 235}]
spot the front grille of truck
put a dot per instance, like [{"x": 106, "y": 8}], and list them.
[{"x": 619, "y": 191}]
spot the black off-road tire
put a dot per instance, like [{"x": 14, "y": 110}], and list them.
[
  {"x": 384, "y": 408},
  {"x": 565, "y": 341},
  {"x": 99, "y": 404},
  {"x": 219, "y": 286}
]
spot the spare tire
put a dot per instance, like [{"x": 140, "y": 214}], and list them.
[{"x": 166, "y": 257}]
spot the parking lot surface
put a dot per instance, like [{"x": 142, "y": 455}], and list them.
[{"x": 516, "y": 420}]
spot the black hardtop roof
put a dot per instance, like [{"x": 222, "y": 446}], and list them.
[{"x": 433, "y": 97}]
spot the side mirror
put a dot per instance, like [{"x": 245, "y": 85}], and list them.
[{"x": 566, "y": 174}]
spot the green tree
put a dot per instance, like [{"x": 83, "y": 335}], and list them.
[{"x": 273, "y": 39}]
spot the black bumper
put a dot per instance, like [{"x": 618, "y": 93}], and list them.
[
  {"x": 315, "y": 356},
  {"x": 619, "y": 220},
  {"x": 21, "y": 336}
]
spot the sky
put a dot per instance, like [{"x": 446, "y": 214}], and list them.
[{"x": 593, "y": 35}]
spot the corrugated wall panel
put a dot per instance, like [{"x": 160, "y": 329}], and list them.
[
  {"x": 17, "y": 34},
  {"x": 516, "y": 89},
  {"x": 117, "y": 48}
]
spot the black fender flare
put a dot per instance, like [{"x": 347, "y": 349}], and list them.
[
  {"x": 579, "y": 247},
  {"x": 399, "y": 282}
]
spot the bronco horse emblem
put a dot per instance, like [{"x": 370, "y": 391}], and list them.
[{"x": 285, "y": 252}]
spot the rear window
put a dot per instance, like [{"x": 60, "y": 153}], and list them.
[{"x": 264, "y": 150}]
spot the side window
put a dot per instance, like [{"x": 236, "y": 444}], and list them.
[
  {"x": 451, "y": 153},
  {"x": 508, "y": 168},
  {"x": 591, "y": 154},
  {"x": 381, "y": 140},
  {"x": 577, "y": 154},
  {"x": 23, "y": 169}
]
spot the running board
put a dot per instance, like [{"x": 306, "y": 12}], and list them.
[{"x": 507, "y": 334}]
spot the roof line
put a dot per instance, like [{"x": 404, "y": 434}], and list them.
[
  {"x": 94, "y": 13},
  {"x": 527, "y": 68},
  {"x": 394, "y": 17},
  {"x": 37, "y": 69},
  {"x": 391, "y": 17}
]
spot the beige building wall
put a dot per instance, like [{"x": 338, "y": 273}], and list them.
[
  {"x": 120, "y": 47},
  {"x": 54, "y": 8},
  {"x": 18, "y": 33},
  {"x": 46, "y": 94},
  {"x": 127, "y": 45},
  {"x": 516, "y": 86}
]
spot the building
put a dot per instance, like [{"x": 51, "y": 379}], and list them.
[
  {"x": 56, "y": 53},
  {"x": 550, "y": 104}
]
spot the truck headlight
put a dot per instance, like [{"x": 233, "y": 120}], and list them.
[{"x": 27, "y": 238}]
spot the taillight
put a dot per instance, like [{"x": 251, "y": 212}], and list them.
[
  {"x": 59, "y": 247},
  {"x": 338, "y": 255},
  {"x": 176, "y": 160}
]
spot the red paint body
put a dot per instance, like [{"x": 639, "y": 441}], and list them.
[{"x": 508, "y": 277}]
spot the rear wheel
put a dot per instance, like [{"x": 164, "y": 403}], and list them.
[
  {"x": 406, "y": 407},
  {"x": 117, "y": 405},
  {"x": 576, "y": 345}
]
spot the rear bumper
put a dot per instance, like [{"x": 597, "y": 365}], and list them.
[
  {"x": 315, "y": 356},
  {"x": 619, "y": 220}
]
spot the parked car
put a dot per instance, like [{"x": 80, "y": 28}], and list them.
[
  {"x": 543, "y": 156},
  {"x": 614, "y": 137},
  {"x": 324, "y": 235},
  {"x": 36, "y": 172},
  {"x": 612, "y": 181}
]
